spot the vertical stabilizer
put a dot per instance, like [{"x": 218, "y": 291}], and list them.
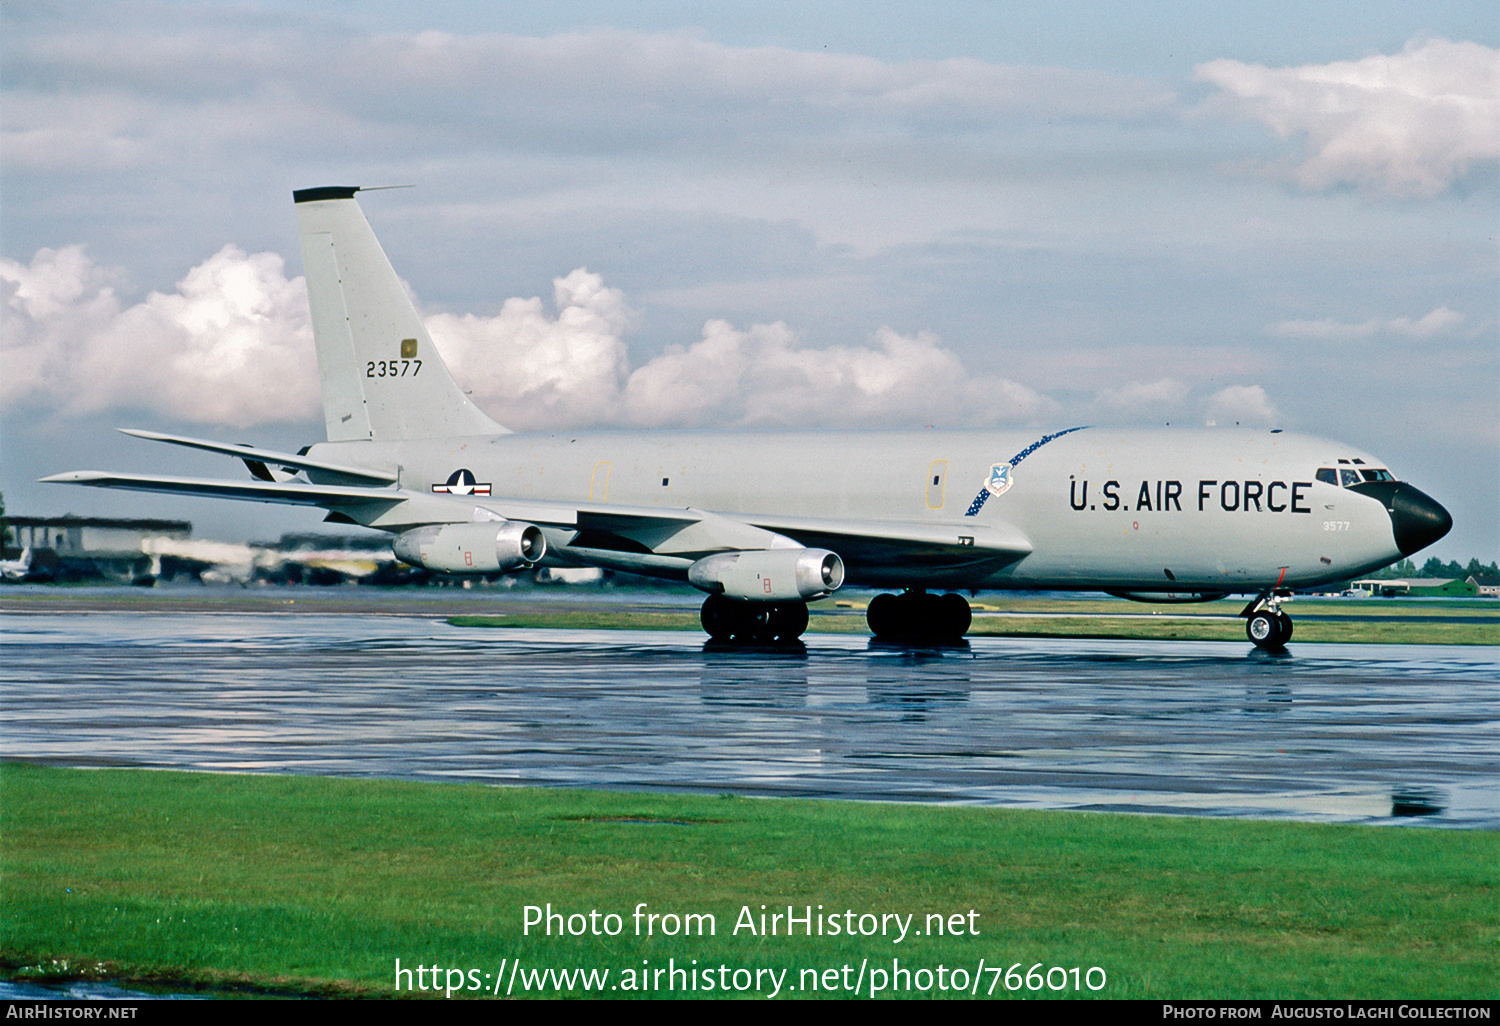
[{"x": 382, "y": 379}]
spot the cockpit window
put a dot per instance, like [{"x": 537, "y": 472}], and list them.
[{"x": 1346, "y": 477}]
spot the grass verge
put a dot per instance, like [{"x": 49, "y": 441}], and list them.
[{"x": 315, "y": 885}]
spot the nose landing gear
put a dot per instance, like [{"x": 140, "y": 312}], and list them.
[{"x": 1266, "y": 626}]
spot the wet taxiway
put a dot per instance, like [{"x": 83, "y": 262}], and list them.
[{"x": 1383, "y": 734}]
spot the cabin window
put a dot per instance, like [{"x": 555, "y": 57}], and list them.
[
  {"x": 1348, "y": 478},
  {"x": 1378, "y": 475},
  {"x": 1328, "y": 476}
]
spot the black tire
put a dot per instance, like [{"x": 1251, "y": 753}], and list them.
[
  {"x": 720, "y": 618},
  {"x": 884, "y": 616},
  {"x": 788, "y": 620},
  {"x": 1286, "y": 627},
  {"x": 1265, "y": 631},
  {"x": 956, "y": 616}
]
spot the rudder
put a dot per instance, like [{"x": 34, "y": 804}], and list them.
[{"x": 381, "y": 376}]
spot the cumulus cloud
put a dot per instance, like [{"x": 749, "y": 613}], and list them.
[
  {"x": 233, "y": 346},
  {"x": 532, "y": 369},
  {"x": 1242, "y": 404},
  {"x": 1143, "y": 400},
  {"x": 763, "y": 377},
  {"x": 1409, "y": 124},
  {"x": 1440, "y": 321}
]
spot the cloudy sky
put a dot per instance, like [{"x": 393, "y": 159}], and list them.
[{"x": 655, "y": 215}]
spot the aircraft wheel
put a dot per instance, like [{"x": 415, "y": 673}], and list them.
[
  {"x": 884, "y": 615},
  {"x": 956, "y": 617},
  {"x": 719, "y": 618},
  {"x": 1267, "y": 630},
  {"x": 755, "y": 625},
  {"x": 787, "y": 620},
  {"x": 918, "y": 616}
]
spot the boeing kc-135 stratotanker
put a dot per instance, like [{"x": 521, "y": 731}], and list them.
[{"x": 766, "y": 522}]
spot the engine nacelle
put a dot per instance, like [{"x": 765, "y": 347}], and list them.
[
  {"x": 483, "y": 548},
  {"x": 769, "y": 575}
]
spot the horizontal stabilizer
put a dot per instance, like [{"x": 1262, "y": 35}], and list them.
[{"x": 283, "y": 459}]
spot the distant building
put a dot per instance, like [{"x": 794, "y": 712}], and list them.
[
  {"x": 93, "y": 537},
  {"x": 1419, "y": 587},
  {"x": 79, "y": 548}
]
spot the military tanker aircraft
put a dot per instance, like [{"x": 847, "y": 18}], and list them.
[{"x": 766, "y": 522}]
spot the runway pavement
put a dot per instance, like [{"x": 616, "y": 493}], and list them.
[{"x": 1372, "y": 734}]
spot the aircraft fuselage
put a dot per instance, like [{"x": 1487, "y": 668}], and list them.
[{"x": 1163, "y": 510}]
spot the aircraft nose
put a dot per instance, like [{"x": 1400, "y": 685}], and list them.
[{"x": 1417, "y": 519}]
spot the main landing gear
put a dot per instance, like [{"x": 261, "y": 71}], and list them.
[
  {"x": 1267, "y": 627},
  {"x": 753, "y": 623},
  {"x": 914, "y": 615}
]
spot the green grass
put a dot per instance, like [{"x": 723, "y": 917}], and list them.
[{"x": 300, "y": 884}]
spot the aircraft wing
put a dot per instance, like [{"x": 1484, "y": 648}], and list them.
[
  {"x": 687, "y": 530},
  {"x": 252, "y": 456},
  {"x": 913, "y": 545},
  {"x": 632, "y": 537},
  {"x": 691, "y": 534}
]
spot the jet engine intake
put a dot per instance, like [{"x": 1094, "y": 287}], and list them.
[
  {"x": 769, "y": 575},
  {"x": 483, "y": 548}
]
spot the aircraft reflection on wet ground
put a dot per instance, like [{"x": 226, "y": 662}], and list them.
[{"x": 1329, "y": 732}]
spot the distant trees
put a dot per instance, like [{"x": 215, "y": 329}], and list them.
[
  {"x": 1436, "y": 568},
  {"x": 1482, "y": 574},
  {"x": 1405, "y": 568}
]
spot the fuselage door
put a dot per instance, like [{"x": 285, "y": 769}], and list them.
[{"x": 599, "y": 483}]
